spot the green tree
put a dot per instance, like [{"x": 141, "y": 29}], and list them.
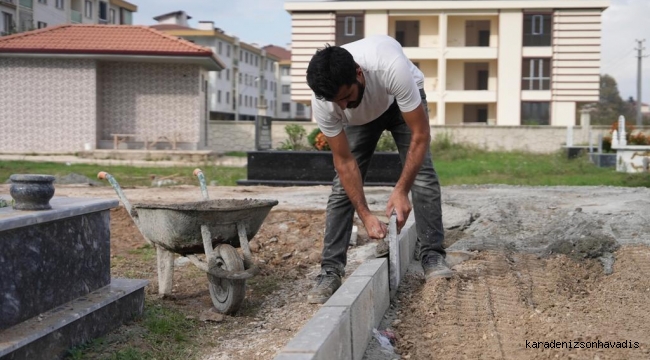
[{"x": 611, "y": 105}]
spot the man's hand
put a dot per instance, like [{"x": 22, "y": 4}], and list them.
[
  {"x": 375, "y": 228},
  {"x": 399, "y": 202}
]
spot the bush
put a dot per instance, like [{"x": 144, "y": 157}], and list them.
[
  {"x": 386, "y": 143},
  {"x": 318, "y": 141},
  {"x": 296, "y": 135}
]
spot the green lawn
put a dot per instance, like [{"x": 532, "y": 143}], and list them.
[{"x": 455, "y": 164}]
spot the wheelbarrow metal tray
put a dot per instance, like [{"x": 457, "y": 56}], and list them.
[{"x": 177, "y": 226}]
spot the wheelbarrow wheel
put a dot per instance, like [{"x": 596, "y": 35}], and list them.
[{"x": 227, "y": 295}]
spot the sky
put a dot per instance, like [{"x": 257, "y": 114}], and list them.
[{"x": 266, "y": 22}]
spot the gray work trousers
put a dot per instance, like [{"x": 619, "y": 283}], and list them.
[{"x": 425, "y": 192}]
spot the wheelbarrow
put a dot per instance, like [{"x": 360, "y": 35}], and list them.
[{"x": 214, "y": 227}]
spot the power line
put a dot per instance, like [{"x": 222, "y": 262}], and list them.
[{"x": 615, "y": 62}]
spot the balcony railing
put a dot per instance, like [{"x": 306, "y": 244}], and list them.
[
  {"x": 27, "y": 3},
  {"x": 75, "y": 16},
  {"x": 7, "y": 1}
]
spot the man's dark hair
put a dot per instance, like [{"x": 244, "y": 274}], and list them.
[{"x": 329, "y": 69}]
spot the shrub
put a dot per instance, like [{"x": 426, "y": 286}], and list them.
[
  {"x": 296, "y": 135},
  {"x": 317, "y": 140},
  {"x": 386, "y": 143}
]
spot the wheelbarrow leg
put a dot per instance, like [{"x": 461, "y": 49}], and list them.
[{"x": 165, "y": 270}]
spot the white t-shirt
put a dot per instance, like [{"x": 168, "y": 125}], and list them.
[{"x": 389, "y": 75}]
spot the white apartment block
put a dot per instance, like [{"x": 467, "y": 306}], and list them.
[
  {"x": 290, "y": 109},
  {"x": 24, "y": 15},
  {"x": 498, "y": 62},
  {"x": 247, "y": 87}
]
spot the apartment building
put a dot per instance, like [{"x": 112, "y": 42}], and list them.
[
  {"x": 24, "y": 15},
  {"x": 287, "y": 109},
  {"x": 248, "y": 85},
  {"x": 497, "y": 62}
]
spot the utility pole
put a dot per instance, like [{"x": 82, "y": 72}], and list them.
[{"x": 639, "y": 116}]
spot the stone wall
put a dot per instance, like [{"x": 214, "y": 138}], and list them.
[{"x": 240, "y": 136}]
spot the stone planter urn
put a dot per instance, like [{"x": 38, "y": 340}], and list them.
[{"x": 31, "y": 191}]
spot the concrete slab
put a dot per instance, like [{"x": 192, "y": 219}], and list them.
[
  {"x": 378, "y": 270},
  {"x": 357, "y": 295},
  {"x": 327, "y": 335}
]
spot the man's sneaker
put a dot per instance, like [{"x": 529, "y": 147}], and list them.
[
  {"x": 326, "y": 284},
  {"x": 434, "y": 265},
  {"x": 382, "y": 248}
]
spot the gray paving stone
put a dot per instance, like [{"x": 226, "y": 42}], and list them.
[{"x": 327, "y": 335}]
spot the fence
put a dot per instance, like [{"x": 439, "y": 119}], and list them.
[{"x": 228, "y": 136}]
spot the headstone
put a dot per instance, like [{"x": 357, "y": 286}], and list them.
[{"x": 263, "y": 140}]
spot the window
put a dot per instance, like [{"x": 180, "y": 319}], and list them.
[
  {"x": 286, "y": 89},
  {"x": 127, "y": 17},
  {"x": 111, "y": 16},
  {"x": 246, "y": 79},
  {"x": 300, "y": 109},
  {"x": 240, "y": 78},
  {"x": 219, "y": 96},
  {"x": 407, "y": 33},
  {"x": 255, "y": 102},
  {"x": 239, "y": 100},
  {"x": 227, "y": 74},
  {"x": 219, "y": 47},
  {"x": 349, "y": 27},
  {"x": 228, "y": 50},
  {"x": 88, "y": 9},
  {"x": 7, "y": 23},
  {"x": 535, "y": 113},
  {"x": 41, "y": 25},
  {"x": 286, "y": 107},
  {"x": 227, "y": 97},
  {"x": 103, "y": 10},
  {"x": 286, "y": 70},
  {"x": 537, "y": 29},
  {"x": 219, "y": 74},
  {"x": 59, "y": 4},
  {"x": 241, "y": 55},
  {"x": 257, "y": 61},
  {"x": 43, "y": 1},
  {"x": 536, "y": 74},
  {"x": 246, "y": 57}
]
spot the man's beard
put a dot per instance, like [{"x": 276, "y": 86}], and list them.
[{"x": 362, "y": 89}]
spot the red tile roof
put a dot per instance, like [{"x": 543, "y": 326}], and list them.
[
  {"x": 279, "y": 52},
  {"x": 101, "y": 39}
]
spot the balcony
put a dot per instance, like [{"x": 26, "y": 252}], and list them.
[
  {"x": 473, "y": 53},
  {"x": 470, "y": 96},
  {"x": 7, "y": 1},
  {"x": 75, "y": 17},
  {"x": 27, "y": 3}
]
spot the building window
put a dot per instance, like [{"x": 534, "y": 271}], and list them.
[
  {"x": 255, "y": 102},
  {"x": 227, "y": 97},
  {"x": 228, "y": 50},
  {"x": 407, "y": 33},
  {"x": 219, "y": 74},
  {"x": 59, "y": 4},
  {"x": 219, "y": 47},
  {"x": 240, "y": 78},
  {"x": 228, "y": 74},
  {"x": 241, "y": 55},
  {"x": 41, "y": 1},
  {"x": 7, "y": 23},
  {"x": 246, "y": 58},
  {"x": 286, "y": 89},
  {"x": 127, "y": 17},
  {"x": 537, "y": 29},
  {"x": 257, "y": 61},
  {"x": 286, "y": 70},
  {"x": 239, "y": 103},
  {"x": 300, "y": 109},
  {"x": 88, "y": 9},
  {"x": 219, "y": 96},
  {"x": 286, "y": 107},
  {"x": 536, "y": 74},
  {"x": 111, "y": 16},
  {"x": 41, "y": 25},
  {"x": 535, "y": 113},
  {"x": 349, "y": 27},
  {"x": 103, "y": 10}
]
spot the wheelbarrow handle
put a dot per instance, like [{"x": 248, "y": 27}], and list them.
[
  {"x": 204, "y": 189},
  {"x": 103, "y": 175}
]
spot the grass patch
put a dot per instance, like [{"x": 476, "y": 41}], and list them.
[
  {"x": 127, "y": 176},
  {"x": 145, "y": 252},
  {"x": 236, "y": 153},
  {"x": 162, "y": 333}
]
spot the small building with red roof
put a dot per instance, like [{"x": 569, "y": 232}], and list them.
[{"x": 78, "y": 87}]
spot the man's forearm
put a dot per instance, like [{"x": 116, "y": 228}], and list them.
[{"x": 350, "y": 177}]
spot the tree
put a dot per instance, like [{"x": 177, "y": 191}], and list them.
[{"x": 611, "y": 105}]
